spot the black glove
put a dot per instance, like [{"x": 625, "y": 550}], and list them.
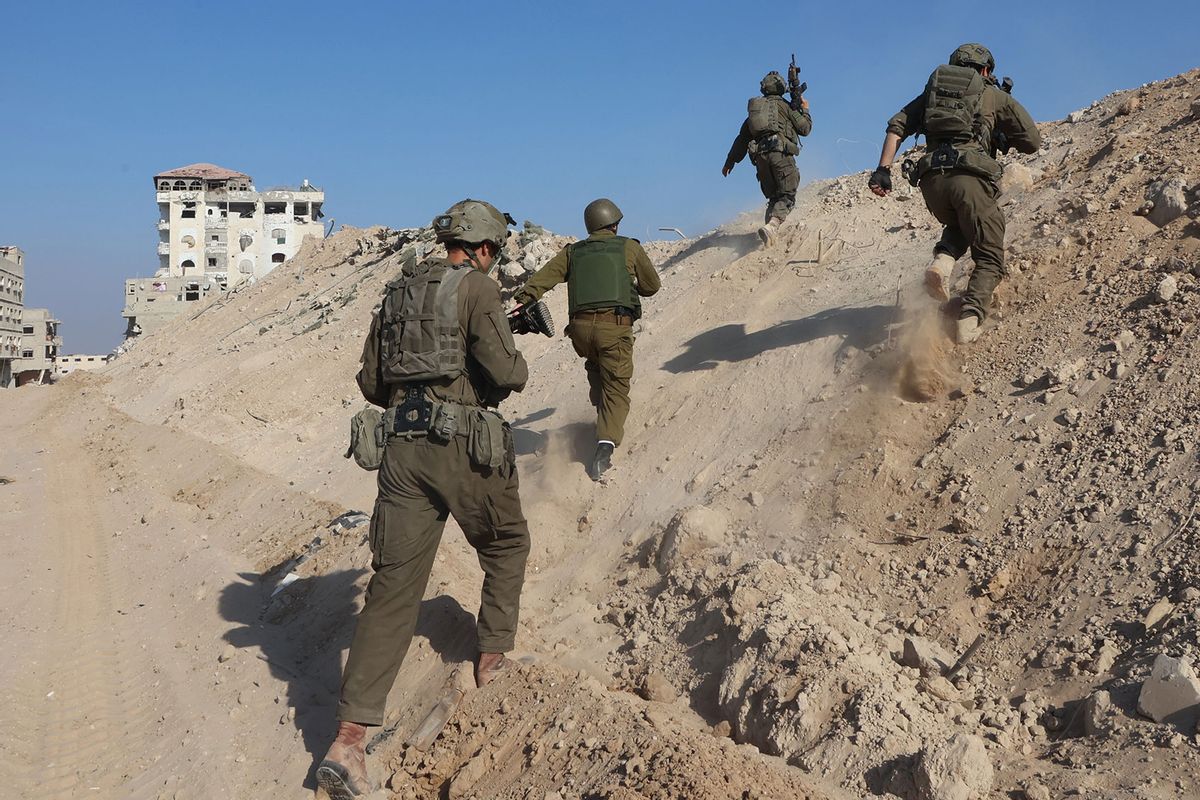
[{"x": 881, "y": 178}]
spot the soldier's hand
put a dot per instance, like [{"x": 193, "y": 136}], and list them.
[
  {"x": 725, "y": 170},
  {"x": 804, "y": 103},
  {"x": 880, "y": 181}
]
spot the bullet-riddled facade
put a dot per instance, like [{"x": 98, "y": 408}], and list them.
[
  {"x": 39, "y": 347},
  {"x": 216, "y": 230},
  {"x": 12, "y": 301}
]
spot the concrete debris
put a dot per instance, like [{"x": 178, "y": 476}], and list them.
[
  {"x": 956, "y": 769},
  {"x": 1100, "y": 716},
  {"x": 1166, "y": 289},
  {"x": 1167, "y": 201},
  {"x": 1171, "y": 694},
  {"x": 926, "y": 655},
  {"x": 689, "y": 531}
]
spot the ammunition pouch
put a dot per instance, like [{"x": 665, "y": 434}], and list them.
[
  {"x": 489, "y": 440},
  {"x": 367, "y": 438},
  {"x": 946, "y": 157}
]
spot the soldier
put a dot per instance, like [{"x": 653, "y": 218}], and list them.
[
  {"x": 966, "y": 118},
  {"x": 438, "y": 356},
  {"x": 771, "y": 135},
  {"x": 606, "y": 276}
]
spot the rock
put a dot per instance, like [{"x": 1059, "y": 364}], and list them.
[
  {"x": 926, "y": 655},
  {"x": 1131, "y": 105},
  {"x": 468, "y": 776},
  {"x": 1124, "y": 341},
  {"x": 1171, "y": 694},
  {"x": 1158, "y": 612},
  {"x": 1105, "y": 657},
  {"x": 1099, "y": 714},
  {"x": 690, "y": 531},
  {"x": 227, "y": 652},
  {"x": 1017, "y": 178},
  {"x": 1168, "y": 201},
  {"x": 1075, "y": 117},
  {"x": 956, "y": 769},
  {"x": 1034, "y": 790},
  {"x": 939, "y": 687},
  {"x": 1196, "y": 108},
  {"x": 658, "y": 689},
  {"x": 756, "y": 499},
  {"x": 1166, "y": 289}
]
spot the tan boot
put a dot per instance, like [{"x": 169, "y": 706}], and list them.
[
  {"x": 343, "y": 771},
  {"x": 968, "y": 329},
  {"x": 937, "y": 277},
  {"x": 767, "y": 233},
  {"x": 490, "y": 666}
]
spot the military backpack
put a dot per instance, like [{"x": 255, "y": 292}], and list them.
[
  {"x": 954, "y": 105},
  {"x": 421, "y": 340}
]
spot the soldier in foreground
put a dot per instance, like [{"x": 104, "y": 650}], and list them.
[
  {"x": 967, "y": 119},
  {"x": 771, "y": 135},
  {"x": 439, "y": 357},
  {"x": 606, "y": 277}
]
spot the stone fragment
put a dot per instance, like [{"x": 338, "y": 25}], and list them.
[
  {"x": 1166, "y": 289},
  {"x": 690, "y": 531},
  {"x": 1124, "y": 341},
  {"x": 658, "y": 689},
  {"x": 1099, "y": 714},
  {"x": 1131, "y": 105},
  {"x": 1158, "y": 612},
  {"x": 1035, "y": 791},
  {"x": 227, "y": 652},
  {"x": 1075, "y": 117},
  {"x": 756, "y": 499},
  {"x": 1017, "y": 178},
  {"x": 1168, "y": 200},
  {"x": 926, "y": 655},
  {"x": 939, "y": 687},
  {"x": 1196, "y": 108},
  {"x": 955, "y": 769},
  {"x": 1171, "y": 694}
]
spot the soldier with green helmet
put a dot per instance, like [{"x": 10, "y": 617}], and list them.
[
  {"x": 439, "y": 357},
  {"x": 606, "y": 277},
  {"x": 967, "y": 119},
  {"x": 771, "y": 136}
]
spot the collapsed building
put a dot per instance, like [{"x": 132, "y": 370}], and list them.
[
  {"x": 216, "y": 231},
  {"x": 12, "y": 292}
]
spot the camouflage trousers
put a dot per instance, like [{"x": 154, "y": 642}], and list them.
[
  {"x": 421, "y": 483},
  {"x": 967, "y": 206},
  {"x": 779, "y": 179}
]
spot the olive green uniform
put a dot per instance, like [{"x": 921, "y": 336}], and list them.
[
  {"x": 421, "y": 482},
  {"x": 602, "y": 337},
  {"x": 774, "y": 161},
  {"x": 964, "y": 201}
]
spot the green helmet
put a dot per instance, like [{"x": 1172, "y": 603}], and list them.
[
  {"x": 472, "y": 222},
  {"x": 772, "y": 84},
  {"x": 973, "y": 55},
  {"x": 600, "y": 214}
]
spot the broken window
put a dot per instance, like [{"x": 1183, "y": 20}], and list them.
[
  {"x": 212, "y": 262},
  {"x": 277, "y": 258},
  {"x": 192, "y": 292},
  {"x": 216, "y": 237},
  {"x": 187, "y": 264},
  {"x": 317, "y": 211},
  {"x": 246, "y": 266},
  {"x": 27, "y": 329},
  {"x": 243, "y": 210},
  {"x": 188, "y": 213},
  {"x": 275, "y": 208}
]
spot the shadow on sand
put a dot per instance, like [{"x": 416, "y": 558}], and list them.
[
  {"x": 302, "y": 631},
  {"x": 859, "y": 327}
]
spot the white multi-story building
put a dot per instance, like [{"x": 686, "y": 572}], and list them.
[
  {"x": 216, "y": 230},
  {"x": 12, "y": 300},
  {"x": 39, "y": 347}
]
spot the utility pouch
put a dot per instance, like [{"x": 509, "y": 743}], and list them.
[
  {"x": 414, "y": 413},
  {"x": 486, "y": 439},
  {"x": 367, "y": 438},
  {"x": 446, "y": 421},
  {"x": 945, "y": 157},
  {"x": 910, "y": 171}
]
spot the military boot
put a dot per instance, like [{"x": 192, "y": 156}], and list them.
[
  {"x": 489, "y": 666},
  {"x": 343, "y": 771},
  {"x": 937, "y": 277},
  {"x": 601, "y": 461},
  {"x": 968, "y": 329},
  {"x": 767, "y": 233}
]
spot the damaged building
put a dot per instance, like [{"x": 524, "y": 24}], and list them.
[
  {"x": 40, "y": 340},
  {"x": 215, "y": 230},
  {"x": 12, "y": 300}
]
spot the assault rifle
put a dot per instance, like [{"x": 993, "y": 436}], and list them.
[
  {"x": 999, "y": 140},
  {"x": 795, "y": 87},
  {"x": 531, "y": 318}
]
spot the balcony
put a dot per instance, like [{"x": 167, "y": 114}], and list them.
[
  {"x": 216, "y": 223},
  {"x": 164, "y": 248},
  {"x": 164, "y": 224},
  {"x": 216, "y": 247}
]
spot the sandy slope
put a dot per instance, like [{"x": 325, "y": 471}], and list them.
[{"x": 157, "y": 505}]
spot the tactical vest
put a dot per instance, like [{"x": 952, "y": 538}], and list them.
[
  {"x": 421, "y": 339},
  {"x": 955, "y": 124},
  {"x": 598, "y": 278}
]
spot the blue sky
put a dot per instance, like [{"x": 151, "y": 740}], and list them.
[{"x": 399, "y": 109}]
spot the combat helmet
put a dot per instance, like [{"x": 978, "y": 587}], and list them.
[
  {"x": 600, "y": 214},
  {"x": 973, "y": 54},
  {"x": 772, "y": 84},
  {"x": 472, "y": 222}
]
